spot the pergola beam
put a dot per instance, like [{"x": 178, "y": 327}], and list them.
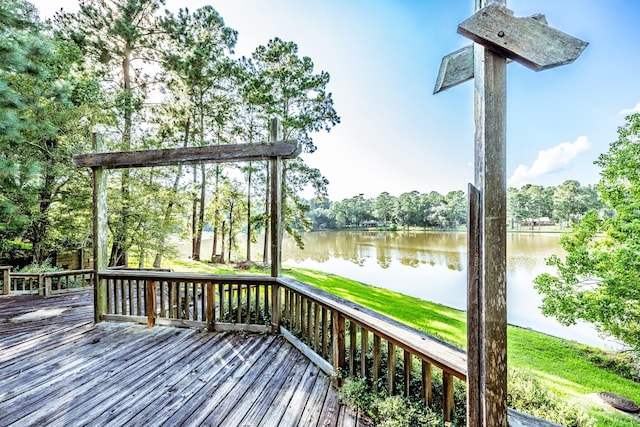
[{"x": 188, "y": 155}]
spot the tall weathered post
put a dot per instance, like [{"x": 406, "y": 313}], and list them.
[
  {"x": 99, "y": 175},
  {"x": 498, "y": 36},
  {"x": 276, "y": 225}
]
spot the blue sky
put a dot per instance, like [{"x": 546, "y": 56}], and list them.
[{"x": 396, "y": 136}]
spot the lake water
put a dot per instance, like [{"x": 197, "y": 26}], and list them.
[{"x": 432, "y": 266}]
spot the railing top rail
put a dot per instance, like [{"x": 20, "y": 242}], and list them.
[
  {"x": 185, "y": 277},
  {"x": 51, "y": 274},
  {"x": 25, "y": 275},
  {"x": 67, "y": 273},
  {"x": 444, "y": 355}
]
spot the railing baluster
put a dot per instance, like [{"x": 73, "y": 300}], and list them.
[
  {"x": 230, "y": 301},
  {"x": 110, "y": 296},
  {"x": 303, "y": 318},
  {"x": 391, "y": 367},
  {"x": 309, "y": 323},
  {"x": 195, "y": 301},
  {"x": 427, "y": 393},
  {"x": 447, "y": 396},
  {"x": 248, "y": 305},
  {"x": 352, "y": 348},
  {"x": 364, "y": 349},
  {"x": 325, "y": 330},
  {"x": 408, "y": 366},
  {"x": 211, "y": 306},
  {"x": 162, "y": 305},
  {"x": 138, "y": 298},
  {"x": 377, "y": 358},
  {"x": 123, "y": 299},
  {"x": 222, "y": 300},
  {"x": 316, "y": 327}
]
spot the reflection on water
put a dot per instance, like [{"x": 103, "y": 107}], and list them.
[
  {"x": 432, "y": 266},
  {"x": 409, "y": 248}
]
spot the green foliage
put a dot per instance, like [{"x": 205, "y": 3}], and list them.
[
  {"x": 599, "y": 279},
  {"x": 43, "y": 267},
  {"x": 385, "y": 410},
  {"x": 526, "y": 394}
]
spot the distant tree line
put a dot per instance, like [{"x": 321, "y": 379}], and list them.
[
  {"x": 410, "y": 209},
  {"x": 528, "y": 206},
  {"x": 535, "y": 205}
]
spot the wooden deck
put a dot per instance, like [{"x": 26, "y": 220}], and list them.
[{"x": 58, "y": 369}]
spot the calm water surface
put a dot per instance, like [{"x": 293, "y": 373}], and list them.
[{"x": 432, "y": 266}]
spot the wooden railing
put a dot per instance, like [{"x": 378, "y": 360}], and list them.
[
  {"x": 45, "y": 283},
  {"x": 236, "y": 303},
  {"x": 342, "y": 338}
]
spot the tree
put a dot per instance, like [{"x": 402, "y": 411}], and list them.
[
  {"x": 198, "y": 45},
  {"x": 567, "y": 201},
  {"x": 407, "y": 208},
  {"x": 287, "y": 88},
  {"x": 383, "y": 206},
  {"x": 119, "y": 38},
  {"x": 43, "y": 105},
  {"x": 599, "y": 279}
]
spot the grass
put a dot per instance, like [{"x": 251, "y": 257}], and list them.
[{"x": 562, "y": 366}]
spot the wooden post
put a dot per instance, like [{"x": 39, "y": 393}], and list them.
[
  {"x": 276, "y": 204},
  {"x": 47, "y": 285},
  {"x": 474, "y": 310},
  {"x": 100, "y": 242},
  {"x": 6, "y": 279},
  {"x": 490, "y": 71},
  {"x": 497, "y": 35},
  {"x": 276, "y": 227},
  {"x": 338, "y": 324},
  {"x": 151, "y": 303}
]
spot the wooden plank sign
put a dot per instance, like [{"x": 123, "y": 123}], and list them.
[
  {"x": 457, "y": 67},
  {"x": 528, "y": 41}
]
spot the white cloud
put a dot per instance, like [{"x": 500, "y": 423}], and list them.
[
  {"x": 549, "y": 161},
  {"x": 628, "y": 111}
]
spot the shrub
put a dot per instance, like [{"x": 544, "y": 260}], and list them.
[
  {"x": 35, "y": 268},
  {"x": 384, "y": 410},
  {"x": 526, "y": 394}
]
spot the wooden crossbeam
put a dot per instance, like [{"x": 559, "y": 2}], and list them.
[{"x": 189, "y": 155}]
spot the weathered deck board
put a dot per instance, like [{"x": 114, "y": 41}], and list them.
[{"x": 57, "y": 369}]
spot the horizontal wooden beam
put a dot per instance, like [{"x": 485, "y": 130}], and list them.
[{"x": 188, "y": 155}]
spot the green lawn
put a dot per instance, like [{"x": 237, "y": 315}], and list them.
[{"x": 561, "y": 365}]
